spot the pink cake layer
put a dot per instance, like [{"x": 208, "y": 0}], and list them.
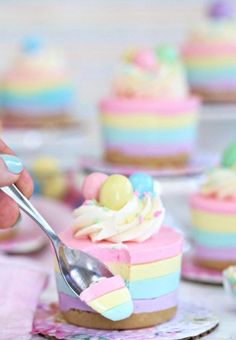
[
  {"x": 200, "y": 202},
  {"x": 209, "y": 49},
  {"x": 165, "y": 244},
  {"x": 102, "y": 287},
  {"x": 215, "y": 254},
  {"x": 120, "y": 106},
  {"x": 140, "y": 306}
]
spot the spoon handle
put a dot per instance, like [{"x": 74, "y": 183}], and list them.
[{"x": 13, "y": 192}]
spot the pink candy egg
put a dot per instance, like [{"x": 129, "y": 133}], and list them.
[
  {"x": 145, "y": 59},
  {"x": 92, "y": 184}
]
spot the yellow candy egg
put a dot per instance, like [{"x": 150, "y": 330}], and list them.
[{"x": 115, "y": 192}]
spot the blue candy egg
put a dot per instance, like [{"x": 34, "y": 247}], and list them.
[
  {"x": 142, "y": 183},
  {"x": 37, "y": 190},
  {"x": 32, "y": 44}
]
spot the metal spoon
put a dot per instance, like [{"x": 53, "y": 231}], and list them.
[{"x": 78, "y": 268}]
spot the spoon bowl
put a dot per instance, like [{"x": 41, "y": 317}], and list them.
[{"x": 80, "y": 269}]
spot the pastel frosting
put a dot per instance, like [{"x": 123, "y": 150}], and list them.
[
  {"x": 109, "y": 297},
  {"x": 220, "y": 182},
  {"x": 136, "y": 221},
  {"x": 37, "y": 83},
  {"x": 144, "y": 74},
  {"x": 122, "y": 209}
]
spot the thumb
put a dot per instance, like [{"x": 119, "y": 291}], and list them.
[{"x": 10, "y": 168}]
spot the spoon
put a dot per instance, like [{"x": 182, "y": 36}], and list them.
[{"x": 78, "y": 269}]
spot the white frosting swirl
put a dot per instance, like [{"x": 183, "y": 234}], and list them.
[
  {"x": 167, "y": 81},
  {"x": 138, "y": 220},
  {"x": 220, "y": 182}
]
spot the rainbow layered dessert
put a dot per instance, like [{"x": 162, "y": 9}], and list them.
[
  {"x": 149, "y": 119},
  {"x": 210, "y": 54},
  {"x": 36, "y": 89},
  {"x": 213, "y": 211},
  {"x": 120, "y": 223}
]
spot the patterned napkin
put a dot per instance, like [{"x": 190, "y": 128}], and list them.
[{"x": 21, "y": 283}]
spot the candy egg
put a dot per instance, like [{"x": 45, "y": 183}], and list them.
[
  {"x": 221, "y": 9},
  {"x": 145, "y": 59},
  {"x": 129, "y": 55},
  {"x": 167, "y": 53},
  {"x": 32, "y": 44},
  {"x": 92, "y": 185},
  {"x": 142, "y": 183},
  {"x": 115, "y": 192},
  {"x": 229, "y": 156}
]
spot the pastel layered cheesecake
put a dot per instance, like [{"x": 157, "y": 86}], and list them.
[
  {"x": 126, "y": 234},
  {"x": 213, "y": 212},
  {"x": 210, "y": 54},
  {"x": 37, "y": 89},
  {"x": 149, "y": 119}
]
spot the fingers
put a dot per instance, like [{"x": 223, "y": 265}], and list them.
[
  {"x": 9, "y": 211},
  {"x": 5, "y": 149},
  {"x": 11, "y": 171},
  {"x": 6, "y": 177},
  {"x": 25, "y": 183}
]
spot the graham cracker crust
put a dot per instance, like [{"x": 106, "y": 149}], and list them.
[
  {"x": 178, "y": 161},
  {"x": 135, "y": 321}
]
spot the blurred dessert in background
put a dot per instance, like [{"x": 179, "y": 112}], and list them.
[
  {"x": 210, "y": 54},
  {"x": 229, "y": 280},
  {"x": 149, "y": 119},
  {"x": 51, "y": 180},
  {"x": 36, "y": 88},
  {"x": 213, "y": 212}
]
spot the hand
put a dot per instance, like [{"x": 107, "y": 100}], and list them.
[{"x": 11, "y": 171}]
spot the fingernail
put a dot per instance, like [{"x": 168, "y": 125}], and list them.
[{"x": 13, "y": 164}]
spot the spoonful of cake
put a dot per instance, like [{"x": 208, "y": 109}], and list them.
[{"x": 85, "y": 275}]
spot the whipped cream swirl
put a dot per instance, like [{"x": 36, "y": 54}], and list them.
[
  {"x": 221, "y": 182},
  {"x": 167, "y": 81},
  {"x": 138, "y": 220}
]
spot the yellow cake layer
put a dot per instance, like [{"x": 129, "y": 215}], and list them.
[
  {"x": 110, "y": 300},
  {"x": 208, "y": 63},
  {"x": 144, "y": 271},
  {"x": 213, "y": 222},
  {"x": 148, "y": 121}
]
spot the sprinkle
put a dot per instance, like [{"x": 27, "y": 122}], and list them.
[
  {"x": 141, "y": 219},
  {"x": 157, "y": 213}
]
